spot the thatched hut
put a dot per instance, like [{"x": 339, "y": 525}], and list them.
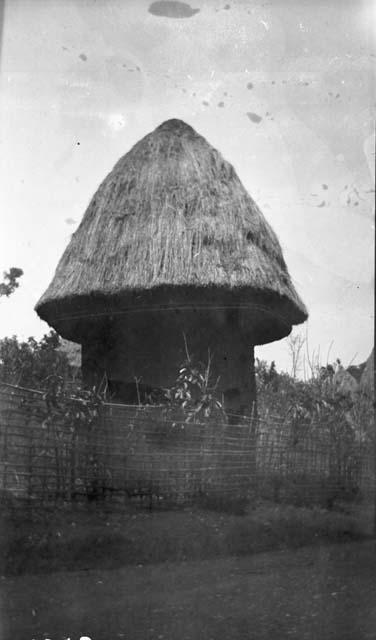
[{"x": 172, "y": 244}]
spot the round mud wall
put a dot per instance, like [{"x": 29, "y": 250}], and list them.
[{"x": 143, "y": 351}]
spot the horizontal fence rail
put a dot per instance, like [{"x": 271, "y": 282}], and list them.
[{"x": 152, "y": 455}]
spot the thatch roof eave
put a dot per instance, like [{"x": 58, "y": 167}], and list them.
[{"x": 69, "y": 316}]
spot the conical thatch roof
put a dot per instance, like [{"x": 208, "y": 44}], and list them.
[{"x": 173, "y": 226}]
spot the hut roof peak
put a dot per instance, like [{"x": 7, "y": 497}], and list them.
[{"x": 174, "y": 125}]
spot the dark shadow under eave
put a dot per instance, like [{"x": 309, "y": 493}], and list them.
[{"x": 265, "y": 316}]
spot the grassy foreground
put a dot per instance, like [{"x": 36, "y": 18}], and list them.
[
  {"x": 320, "y": 592},
  {"x": 101, "y": 538}
]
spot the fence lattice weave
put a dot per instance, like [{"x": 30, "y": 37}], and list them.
[{"x": 138, "y": 451}]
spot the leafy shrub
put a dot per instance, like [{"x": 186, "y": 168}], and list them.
[
  {"x": 30, "y": 363},
  {"x": 194, "y": 390}
]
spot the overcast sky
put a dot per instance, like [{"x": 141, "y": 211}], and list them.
[{"x": 285, "y": 90}]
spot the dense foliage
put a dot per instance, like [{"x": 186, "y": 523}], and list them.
[
  {"x": 30, "y": 363},
  {"x": 317, "y": 403}
]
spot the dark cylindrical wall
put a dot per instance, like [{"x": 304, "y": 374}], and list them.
[{"x": 150, "y": 347}]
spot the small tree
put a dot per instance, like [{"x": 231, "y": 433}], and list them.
[
  {"x": 194, "y": 391},
  {"x": 10, "y": 281}
]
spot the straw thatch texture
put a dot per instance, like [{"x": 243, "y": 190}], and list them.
[{"x": 171, "y": 225}]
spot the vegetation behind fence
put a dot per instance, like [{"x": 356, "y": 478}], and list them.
[{"x": 153, "y": 455}]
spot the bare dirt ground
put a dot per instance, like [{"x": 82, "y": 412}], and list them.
[{"x": 322, "y": 592}]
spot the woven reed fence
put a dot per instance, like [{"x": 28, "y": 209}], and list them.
[{"x": 151, "y": 453}]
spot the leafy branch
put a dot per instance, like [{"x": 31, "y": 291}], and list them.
[
  {"x": 10, "y": 281},
  {"x": 193, "y": 390}
]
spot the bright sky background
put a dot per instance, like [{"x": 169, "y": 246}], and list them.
[{"x": 284, "y": 89}]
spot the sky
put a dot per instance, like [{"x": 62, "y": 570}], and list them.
[{"x": 285, "y": 90}]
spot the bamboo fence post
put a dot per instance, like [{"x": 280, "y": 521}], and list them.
[
  {"x": 5, "y": 450},
  {"x": 73, "y": 462},
  {"x": 30, "y": 458}
]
